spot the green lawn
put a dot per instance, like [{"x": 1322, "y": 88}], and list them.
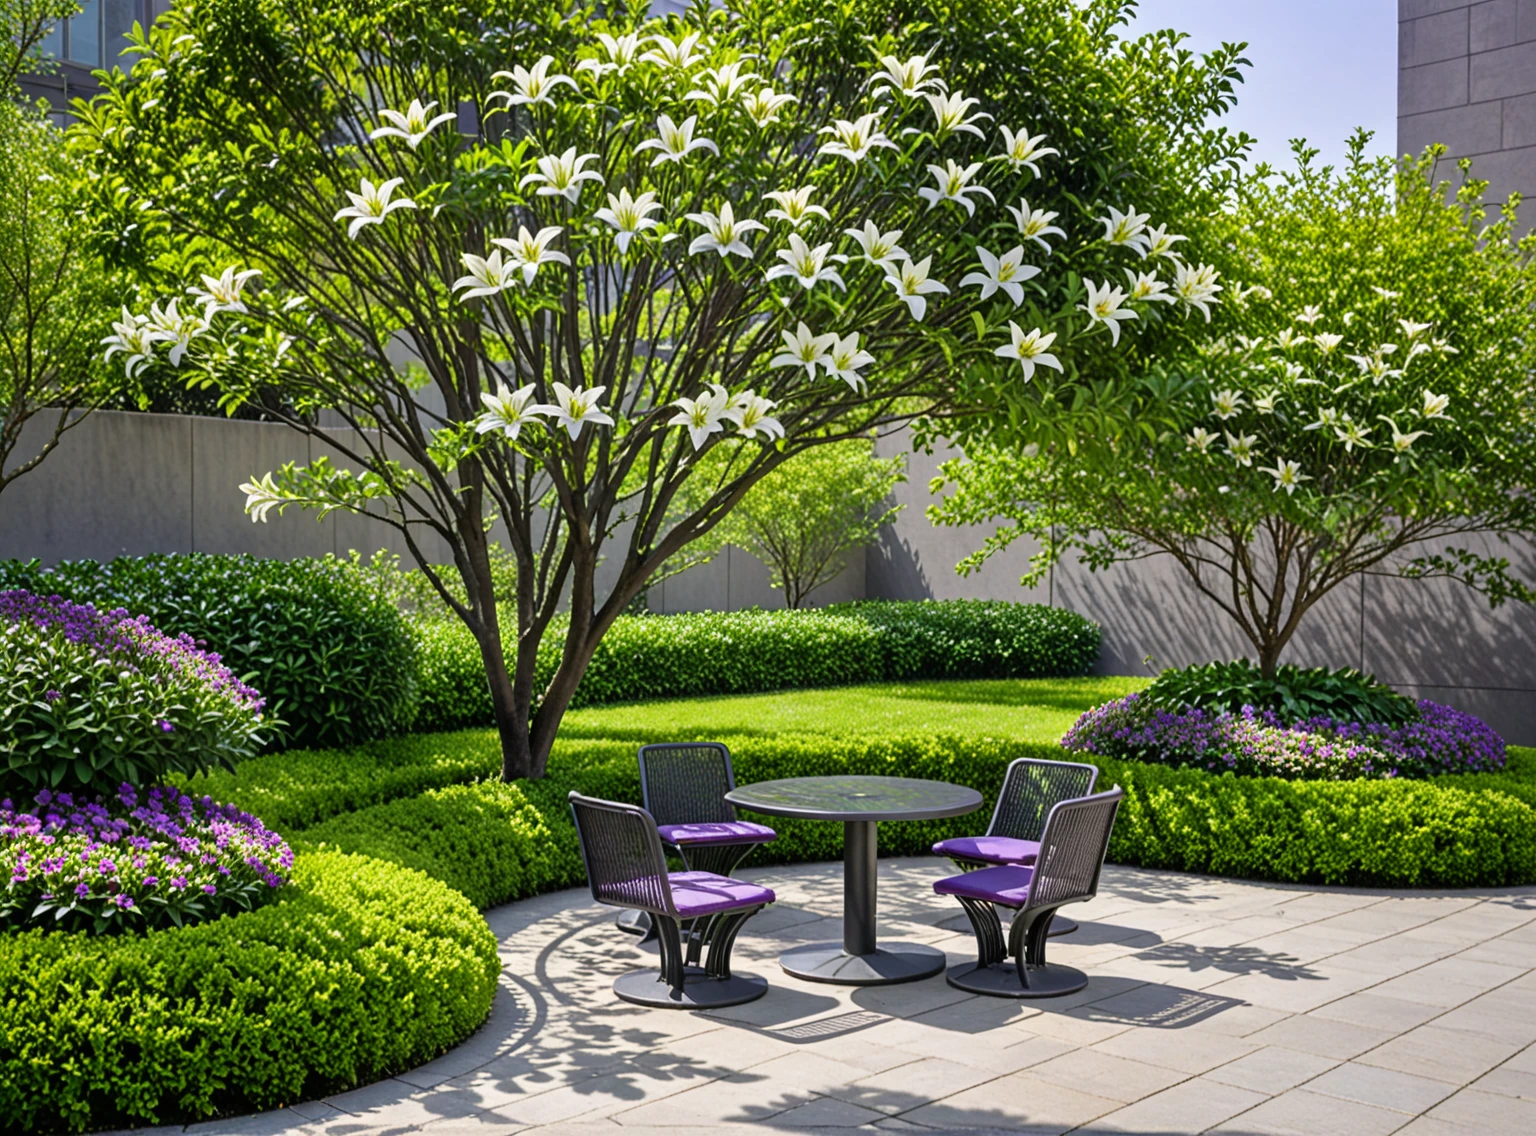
[{"x": 1027, "y": 709}]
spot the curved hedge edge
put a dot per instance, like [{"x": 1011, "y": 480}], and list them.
[{"x": 365, "y": 970}]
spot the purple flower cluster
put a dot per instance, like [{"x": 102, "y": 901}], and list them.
[
  {"x": 149, "y": 859},
  {"x": 1258, "y": 744}
]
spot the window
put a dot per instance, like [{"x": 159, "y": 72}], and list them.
[{"x": 94, "y": 37}]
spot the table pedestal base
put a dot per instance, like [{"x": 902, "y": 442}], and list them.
[{"x": 893, "y": 962}]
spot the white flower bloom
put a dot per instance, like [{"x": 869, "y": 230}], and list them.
[
  {"x": 1197, "y": 287},
  {"x": 1384, "y": 293},
  {"x": 702, "y": 416},
  {"x": 845, "y": 357},
  {"x": 803, "y": 349},
  {"x": 223, "y": 293},
  {"x": 1035, "y": 225},
  {"x": 1199, "y": 439},
  {"x": 681, "y": 54},
  {"x": 954, "y": 184},
  {"x": 1352, "y": 434},
  {"x": 1240, "y": 448},
  {"x": 1267, "y": 403},
  {"x": 853, "y": 140},
  {"x": 1258, "y": 290},
  {"x": 794, "y": 205},
  {"x": 507, "y": 412},
  {"x": 372, "y": 204},
  {"x": 1288, "y": 339},
  {"x": 763, "y": 107},
  {"x": 1327, "y": 341},
  {"x": 1287, "y": 475},
  {"x": 576, "y": 408},
  {"x": 177, "y": 329},
  {"x": 1128, "y": 229},
  {"x": 806, "y": 264},
  {"x": 1435, "y": 405},
  {"x": 1402, "y": 443},
  {"x": 535, "y": 86},
  {"x": 562, "y": 176},
  {"x": 135, "y": 338},
  {"x": 1295, "y": 371},
  {"x": 1008, "y": 272},
  {"x": 1309, "y": 314},
  {"x": 1375, "y": 364},
  {"x": 1146, "y": 286},
  {"x": 1226, "y": 403},
  {"x": 1104, "y": 306},
  {"x": 912, "y": 284},
  {"x": 487, "y": 275},
  {"x": 1160, "y": 242},
  {"x": 676, "y": 140},
  {"x": 880, "y": 249},
  {"x": 721, "y": 84},
  {"x": 529, "y": 250},
  {"x": 1031, "y": 349},
  {"x": 261, "y": 497},
  {"x": 414, "y": 125},
  {"x": 750, "y": 413},
  {"x": 949, "y": 115},
  {"x": 628, "y": 215},
  {"x": 1022, "y": 150},
  {"x": 723, "y": 233},
  {"x": 1328, "y": 418},
  {"x": 909, "y": 78},
  {"x": 1413, "y": 330},
  {"x": 621, "y": 52},
  {"x": 1443, "y": 347}
]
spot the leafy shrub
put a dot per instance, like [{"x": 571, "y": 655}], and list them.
[
  {"x": 1439, "y": 739},
  {"x": 358, "y": 971},
  {"x": 1292, "y": 694},
  {"x": 319, "y": 638},
  {"x": 92, "y": 699},
  {"x": 161, "y": 861}
]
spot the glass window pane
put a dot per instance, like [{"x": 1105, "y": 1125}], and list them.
[
  {"x": 85, "y": 34},
  {"x": 53, "y": 43},
  {"x": 117, "y": 18}
]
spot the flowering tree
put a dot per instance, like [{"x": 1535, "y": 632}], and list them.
[
  {"x": 1368, "y": 404},
  {"x": 543, "y": 262}
]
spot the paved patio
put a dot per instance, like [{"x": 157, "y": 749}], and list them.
[{"x": 1214, "y": 1006}]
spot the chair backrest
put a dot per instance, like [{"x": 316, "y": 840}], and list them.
[
  {"x": 622, "y": 854},
  {"x": 686, "y": 782},
  {"x": 1031, "y": 789},
  {"x": 1072, "y": 849}
]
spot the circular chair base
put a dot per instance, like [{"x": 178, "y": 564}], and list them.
[
  {"x": 1002, "y": 980},
  {"x": 700, "y": 990},
  {"x": 633, "y": 922},
  {"x": 894, "y": 962},
  {"x": 1061, "y": 925}
]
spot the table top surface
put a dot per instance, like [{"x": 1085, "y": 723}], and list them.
[{"x": 857, "y": 798}]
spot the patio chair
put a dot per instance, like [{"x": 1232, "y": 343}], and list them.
[
  {"x": 1066, "y": 870},
  {"x": 1030, "y": 789},
  {"x": 683, "y": 785},
  {"x": 626, "y": 867}
]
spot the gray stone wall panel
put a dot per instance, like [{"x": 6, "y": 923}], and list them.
[
  {"x": 1430, "y": 39},
  {"x": 1474, "y": 129},
  {"x": 1493, "y": 24},
  {"x": 1434, "y": 86},
  {"x": 1417, "y": 9},
  {"x": 1501, "y": 73}
]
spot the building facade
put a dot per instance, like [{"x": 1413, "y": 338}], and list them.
[{"x": 87, "y": 42}]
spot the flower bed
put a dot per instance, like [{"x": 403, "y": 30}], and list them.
[{"x": 1259, "y": 743}]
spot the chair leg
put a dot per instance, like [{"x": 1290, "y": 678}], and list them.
[
  {"x": 723, "y": 940},
  {"x": 672, "y": 965},
  {"x": 988, "y": 928},
  {"x": 1026, "y": 942}
]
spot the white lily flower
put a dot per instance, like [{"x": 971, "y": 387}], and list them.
[
  {"x": 912, "y": 284},
  {"x": 133, "y": 336},
  {"x": 681, "y": 54},
  {"x": 954, "y": 184},
  {"x": 1443, "y": 347},
  {"x": 414, "y": 125},
  {"x": 372, "y": 205},
  {"x": 794, "y": 205},
  {"x": 750, "y": 413},
  {"x": 676, "y": 140},
  {"x": 1022, "y": 150},
  {"x": 1309, "y": 314},
  {"x": 262, "y": 496},
  {"x": 1105, "y": 306},
  {"x": 1160, "y": 242},
  {"x": 702, "y": 416},
  {"x": 1288, "y": 339},
  {"x": 1249, "y": 345},
  {"x": 803, "y": 349},
  {"x": 1435, "y": 405},
  {"x": 507, "y": 412},
  {"x": 1384, "y": 293},
  {"x": 908, "y": 77},
  {"x": 535, "y": 86},
  {"x": 1352, "y": 434},
  {"x": 880, "y": 249},
  {"x": 845, "y": 357},
  {"x": 1199, "y": 439},
  {"x": 806, "y": 264},
  {"x": 1328, "y": 418},
  {"x": 1128, "y": 229},
  {"x": 854, "y": 140},
  {"x": 562, "y": 176},
  {"x": 1375, "y": 364},
  {"x": 723, "y": 233},
  {"x": 1035, "y": 224},
  {"x": 179, "y": 330},
  {"x": 723, "y": 84},
  {"x": 621, "y": 52},
  {"x": 488, "y": 275},
  {"x": 223, "y": 293},
  {"x": 1226, "y": 403},
  {"x": 1146, "y": 286},
  {"x": 1266, "y": 404},
  {"x": 1413, "y": 330},
  {"x": 764, "y": 105},
  {"x": 1327, "y": 341},
  {"x": 628, "y": 215},
  {"x": 575, "y": 408},
  {"x": 530, "y": 250},
  {"x": 1258, "y": 290},
  {"x": 1240, "y": 448},
  {"x": 1196, "y": 286},
  {"x": 1008, "y": 272},
  {"x": 1031, "y": 349},
  {"x": 1402, "y": 443},
  {"x": 949, "y": 115},
  {"x": 1287, "y": 475}
]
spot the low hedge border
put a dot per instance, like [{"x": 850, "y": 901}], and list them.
[{"x": 363, "y": 970}]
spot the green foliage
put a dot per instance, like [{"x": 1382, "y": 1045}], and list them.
[
  {"x": 361, "y": 971},
  {"x": 1294, "y": 693},
  {"x": 331, "y": 654}
]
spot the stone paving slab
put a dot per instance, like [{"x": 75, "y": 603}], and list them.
[{"x": 1214, "y": 1005}]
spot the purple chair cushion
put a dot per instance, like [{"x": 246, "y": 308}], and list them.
[
  {"x": 716, "y": 832},
  {"x": 989, "y": 849},
  {"x": 1008, "y": 886},
  {"x": 704, "y": 893}
]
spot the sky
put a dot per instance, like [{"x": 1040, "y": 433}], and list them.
[{"x": 1320, "y": 67}]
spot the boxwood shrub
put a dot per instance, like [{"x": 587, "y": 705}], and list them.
[
  {"x": 322, "y": 641},
  {"x": 363, "y": 970}
]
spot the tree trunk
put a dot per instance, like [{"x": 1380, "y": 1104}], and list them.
[
  {"x": 557, "y": 698},
  {"x": 1269, "y": 657},
  {"x": 511, "y": 720}
]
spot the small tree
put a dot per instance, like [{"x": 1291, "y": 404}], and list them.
[
  {"x": 1371, "y": 396},
  {"x": 616, "y": 247}
]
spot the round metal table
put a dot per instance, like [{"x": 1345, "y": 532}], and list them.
[{"x": 860, "y": 803}]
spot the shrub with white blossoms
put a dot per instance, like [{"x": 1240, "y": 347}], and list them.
[{"x": 540, "y": 292}]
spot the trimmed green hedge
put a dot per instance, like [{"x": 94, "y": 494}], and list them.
[{"x": 362, "y": 971}]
